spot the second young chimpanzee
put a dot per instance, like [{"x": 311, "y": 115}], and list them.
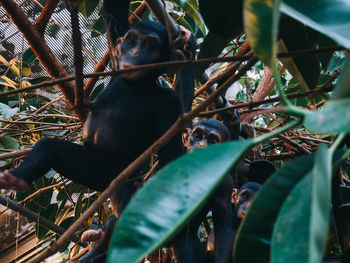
[
  {"x": 187, "y": 246},
  {"x": 248, "y": 178},
  {"x": 241, "y": 201}
]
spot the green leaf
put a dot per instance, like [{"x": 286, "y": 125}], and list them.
[
  {"x": 337, "y": 109},
  {"x": 330, "y": 17},
  {"x": 194, "y": 14},
  {"x": 6, "y": 111},
  {"x": 78, "y": 206},
  {"x": 99, "y": 26},
  {"x": 7, "y": 142},
  {"x": 29, "y": 56},
  {"x": 305, "y": 68},
  {"x": 91, "y": 6},
  {"x": 52, "y": 30},
  {"x": 261, "y": 19},
  {"x": 301, "y": 228},
  {"x": 212, "y": 46},
  {"x": 165, "y": 203},
  {"x": 257, "y": 226},
  {"x": 223, "y": 18},
  {"x": 82, "y": 8},
  {"x": 96, "y": 91},
  {"x": 333, "y": 118}
]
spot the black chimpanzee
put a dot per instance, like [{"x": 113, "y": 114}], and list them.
[
  {"x": 258, "y": 171},
  {"x": 187, "y": 246},
  {"x": 241, "y": 201},
  {"x": 124, "y": 120}
]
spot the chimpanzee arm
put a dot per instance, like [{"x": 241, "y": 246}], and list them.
[
  {"x": 186, "y": 81},
  {"x": 167, "y": 113},
  {"x": 222, "y": 219},
  {"x": 116, "y": 17},
  {"x": 231, "y": 120}
]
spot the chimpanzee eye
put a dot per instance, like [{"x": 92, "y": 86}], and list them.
[
  {"x": 150, "y": 43},
  {"x": 130, "y": 38},
  {"x": 213, "y": 139},
  {"x": 198, "y": 134},
  {"x": 245, "y": 195}
]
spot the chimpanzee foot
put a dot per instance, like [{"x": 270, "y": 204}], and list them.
[
  {"x": 9, "y": 181},
  {"x": 92, "y": 235}
]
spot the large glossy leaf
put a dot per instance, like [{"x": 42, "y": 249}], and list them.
[
  {"x": 257, "y": 226},
  {"x": 335, "y": 115},
  {"x": 305, "y": 68},
  {"x": 261, "y": 19},
  {"x": 301, "y": 227},
  {"x": 330, "y": 17},
  {"x": 223, "y": 18},
  {"x": 170, "y": 198}
]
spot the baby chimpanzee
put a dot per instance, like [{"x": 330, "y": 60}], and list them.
[
  {"x": 124, "y": 120},
  {"x": 241, "y": 201}
]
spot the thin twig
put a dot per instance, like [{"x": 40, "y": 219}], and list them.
[
  {"x": 286, "y": 139},
  {"x": 48, "y": 104},
  {"x": 253, "y": 104},
  {"x": 151, "y": 172},
  {"x": 15, "y": 154}
]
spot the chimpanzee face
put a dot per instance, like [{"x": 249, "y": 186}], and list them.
[
  {"x": 244, "y": 197},
  {"x": 138, "y": 48},
  {"x": 202, "y": 136}
]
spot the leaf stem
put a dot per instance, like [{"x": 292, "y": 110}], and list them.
[
  {"x": 290, "y": 108},
  {"x": 336, "y": 143}
]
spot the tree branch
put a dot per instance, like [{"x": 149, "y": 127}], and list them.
[
  {"x": 45, "y": 15},
  {"x": 253, "y": 104}
]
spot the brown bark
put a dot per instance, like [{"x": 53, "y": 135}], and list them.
[{"x": 45, "y": 15}]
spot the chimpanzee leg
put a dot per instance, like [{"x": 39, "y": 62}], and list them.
[
  {"x": 222, "y": 220},
  {"x": 186, "y": 245},
  {"x": 71, "y": 160}
]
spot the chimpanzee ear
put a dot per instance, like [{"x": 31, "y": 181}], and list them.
[
  {"x": 186, "y": 137},
  {"x": 118, "y": 41},
  {"x": 234, "y": 195}
]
